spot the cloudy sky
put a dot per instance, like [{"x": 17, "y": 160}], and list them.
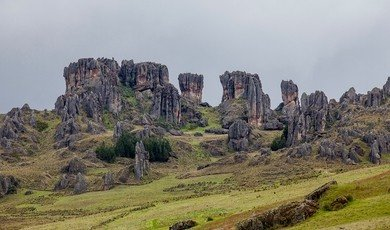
[{"x": 327, "y": 45}]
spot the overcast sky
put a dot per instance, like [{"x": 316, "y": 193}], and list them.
[{"x": 326, "y": 45}]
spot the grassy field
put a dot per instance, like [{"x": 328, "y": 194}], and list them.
[{"x": 163, "y": 202}]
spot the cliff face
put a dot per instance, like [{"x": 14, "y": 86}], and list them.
[
  {"x": 143, "y": 76},
  {"x": 246, "y": 86},
  {"x": 191, "y": 86}
]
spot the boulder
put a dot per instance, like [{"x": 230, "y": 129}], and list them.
[
  {"x": 67, "y": 133},
  {"x": 191, "y": 86},
  {"x": 74, "y": 166},
  {"x": 339, "y": 203},
  {"x": 349, "y": 97},
  {"x": 319, "y": 192},
  {"x": 375, "y": 156},
  {"x": 187, "y": 224},
  {"x": 302, "y": 150},
  {"x": 246, "y": 86},
  {"x": 141, "y": 166},
  {"x": 8, "y": 185},
  {"x": 81, "y": 184},
  {"x": 108, "y": 181},
  {"x": 238, "y": 137}
]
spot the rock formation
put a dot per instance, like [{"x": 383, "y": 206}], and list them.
[
  {"x": 191, "y": 86},
  {"x": 8, "y": 185},
  {"x": 73, "y": 177},
  {"x": 375, "y": 156},
  {"x": 314, "y": 112},
  {"x": 386, "y": 88},
  {"x": 143, "y": 76},
  {"x": 238, "y": 136},
  {"x": 166, "y": 104},
  {"x": 108, "y": 181},
  {"x": 141, "y": 166},
  {"x": 289, "y": 96},
  {"x": 374, "y": 98},
  {"x": 349, "y": 97},
  {"x": 81, "y": 184},
  {"x": 246, "y": 86}
]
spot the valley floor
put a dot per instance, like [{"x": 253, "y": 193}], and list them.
[{"x": 209, "y": 200}]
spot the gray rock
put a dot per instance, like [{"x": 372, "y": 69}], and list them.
[
  {"x": 141, "y": 166},
  {"x": 81, "y": 184},
  {"x": 238, "y": 137},
  {"x": 289, "y": 96},
  {"x": 8, "y": 185},
  {"x": 143, "y": 76},
  {"x": 349, "y": 97},
  {"x": 187, "y": 224},
  {"x": 74, "y": 166},
  {"x": 302, "y": 150},
  {"x": 375, "y": 156},
  {"x": 191, "y": 86},
  {"x": 175, "y": 132},
  {"x": 108, "y": 181},
  {"x": 246, "y": 86},
  {"x": 67, "y": 133},
  {"x": 386, "y": 88},
  {"x": 314, "y": 112},
  {"x": 374, "y": 98},
  {"x": 166, "y": 104}
]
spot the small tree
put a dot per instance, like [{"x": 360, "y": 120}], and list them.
[
  {"x": 158, "y": 148},
  {"x": 125, "y": 145},
  {"x": 106, "y": 153}
]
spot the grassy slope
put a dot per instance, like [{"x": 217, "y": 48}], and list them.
[
  {"x": 370, "y": 208},
  {"x": 149, "y": 207}
]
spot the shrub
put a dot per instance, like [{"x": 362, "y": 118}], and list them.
[
  {"x": 349, "y": 198},
  {"x": 158, "y": 148},
  {"x": 280, "y": 142},
  {"x": 41, "y": 126},
  {"x": 106, "y": 153},
  {"x": 125, "y": 145}
]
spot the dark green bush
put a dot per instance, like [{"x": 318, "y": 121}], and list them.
[
  {"x": 349, "y": 198},
  {"x": 158, "y": 148},
  {"x": 125, "y": 145},
  {"x": 280, "y": 142},
  {"x": 106, "y": 153},
  {"x": 41, "y": 126}
]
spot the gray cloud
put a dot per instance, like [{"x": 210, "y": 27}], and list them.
[{"x": 327, "y": 45}]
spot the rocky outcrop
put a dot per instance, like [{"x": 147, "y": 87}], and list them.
[
  {"x": 302, "y": 150},
  {"x": 182, "y": 225},
  {"x": 386, "y": 88},
  {"x": 91, "y": 88},
  {"x": 81, "y": 184},
  {"x": 191, "y": 86},
  {"x": 67, "y": 133},
  {"x": 246, "y": 86},
  {"x": 375, "y": 156},
  {"x": 238, "y": 136},
  {"x": 8, "y": 185},
  {"x": 191, "y": 114},
  {"x": 349, "y": 97},
  {"x": 289, "y": 96},
  {"x": 13, "y": 125},
  {"x": 143, "y": 76},
  {"x": 122, "y": 127},
  {"x": 374, "y": 98},
  {"x": 141, "y": 166},
  {"x": 288, "y": 214},
  {"x": 73, "y": 177},
  {"x": 166, "y": 104},
  {"x": 314, "y": 112},
  {"x": 108, "y": 181},
  {"x": 74, "y": 166}
]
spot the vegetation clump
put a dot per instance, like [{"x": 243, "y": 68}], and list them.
[
  {"x": 41, "y": 126},
  {"x": 280, "y": 142}
]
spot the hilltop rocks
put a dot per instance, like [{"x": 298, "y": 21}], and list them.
[
  {"x": 13, "y": 125},
  {"x": 238, "y": 136},
  {"x": 143, "y": 76},
  {"x": 67, "y": 133},
  {"x": 374, "y": 98},
  {"x": 191, "y": 86},
  {"x": 289, "y": 96},
  {"x": 314, "y": 112},
  {"x": 386, "y": 88},
  {"x": 349, "y": 97},
  {"x": 141, "y": 166},
  {"x": 166, "y": 104},
  {"x": 247, "y": 87},
  {"x": 8, "y": 185}
]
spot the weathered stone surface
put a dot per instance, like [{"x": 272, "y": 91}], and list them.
[
  {"x": 214, "y": 147},
  {"x": 74, "y": 166},
  {"x": 283, "y": 216},
  {"x": 246, "y": 86},
  {"x": 375, "y": 156},
  {"x": 317, "y": 194},
  {"x": 187, "y": 224},
  {"x": 141, "y": 166},
  {"x": 191, "y": 86},
  {"x": 81, "y": 184},
  {"x": 349, "y": 97},
  {"x": 166, "y": 104},
  {"x": 339, "y": 203},
  {"x": 386, "y": 88},
  {"x": 8, "y": 185},
  {"x": 294, "y": 126},
  {"x": 232, "y": 110},
  {"x": 108, "y": 181},
  {"x": 289, "y": 96},
  {"x": 143, "y": 76},
  {"x": 238, "y": 136},
  {"x": 314, "y": 112},
  {"x": 95, "y": 128},
  {"x": 122, "y": 127},
  {"x": 302, "y": 150},
  {"x": 67, "y": 133},
  {"x": 13, "y": 124},
  {"x": 191, "y": 114},
  {"x": 374, "y": 98},
  {"x": 331, "y": 150},
  {"x": 66, "y": 181}
]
